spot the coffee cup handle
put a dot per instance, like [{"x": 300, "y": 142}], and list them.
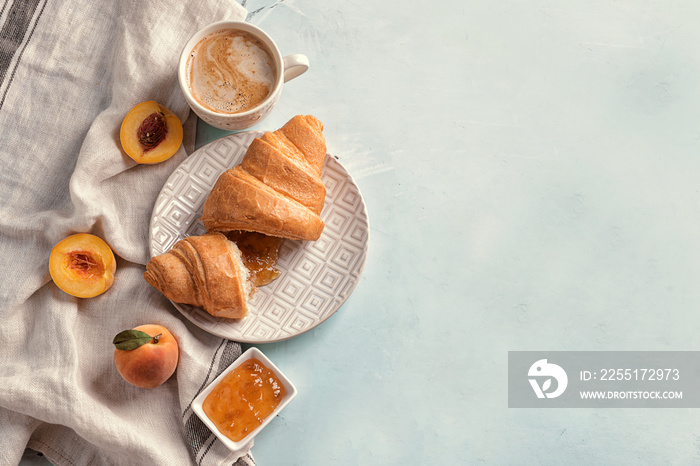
[{"x": 294, "y": 65}]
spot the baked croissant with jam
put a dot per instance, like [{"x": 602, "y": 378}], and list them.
[
  {"x": 205, "y": 271},
  {"x": 276, "y": 190}
]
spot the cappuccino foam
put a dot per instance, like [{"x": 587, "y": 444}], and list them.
[{"x": 230, "y": 71}]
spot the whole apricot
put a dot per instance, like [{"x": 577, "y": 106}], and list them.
[
  {"x": 82, "y": 265},
  {"x": 146, "y": 356},
  {"x": 150, "y": 133}
]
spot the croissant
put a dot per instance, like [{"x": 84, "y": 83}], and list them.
[
  {"x": 205, "y": 271},
  {"x": 276, "y": 189}
]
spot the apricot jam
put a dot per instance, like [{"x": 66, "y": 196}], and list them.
[
  {"x": 259, "y": 253},
  {"x": 243, "y": 399}
]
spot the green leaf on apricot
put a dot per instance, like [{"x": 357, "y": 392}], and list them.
[{"x": 131, "y": 339}]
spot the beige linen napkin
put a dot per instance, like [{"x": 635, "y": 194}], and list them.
[{"x": 69, "y": 73}]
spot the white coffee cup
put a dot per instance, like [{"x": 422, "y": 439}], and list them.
[{"x": 285, "y": 69}]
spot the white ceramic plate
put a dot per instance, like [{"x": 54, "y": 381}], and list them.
[{"x": 316, "y": 276}]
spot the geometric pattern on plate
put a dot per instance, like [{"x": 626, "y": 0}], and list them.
[{"x": 316, "y": 277}]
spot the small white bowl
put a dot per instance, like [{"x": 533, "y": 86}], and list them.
[{"x": 251, "y": 353}]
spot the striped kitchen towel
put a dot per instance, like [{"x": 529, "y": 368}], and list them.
[{"x": 69, "y": 73}]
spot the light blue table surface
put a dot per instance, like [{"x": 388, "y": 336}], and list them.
[{"x": 532, "y": 173}]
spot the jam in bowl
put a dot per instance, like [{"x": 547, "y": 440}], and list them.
[{"x": 243, "y": 399}]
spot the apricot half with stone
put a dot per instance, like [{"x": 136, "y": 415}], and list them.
[
  {"x": 82, "y": 265},
  {"x": 150, "y": 133}
]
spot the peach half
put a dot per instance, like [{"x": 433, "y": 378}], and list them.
[
  {"x": 150, "y": 133},
  {"x": 82, "y": 265},
  {"x": 146, "y": 356}
]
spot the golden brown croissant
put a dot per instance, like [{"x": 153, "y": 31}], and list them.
[
  {"x": 205, "y": 271},
  {"x": 276, "y": 189}
]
